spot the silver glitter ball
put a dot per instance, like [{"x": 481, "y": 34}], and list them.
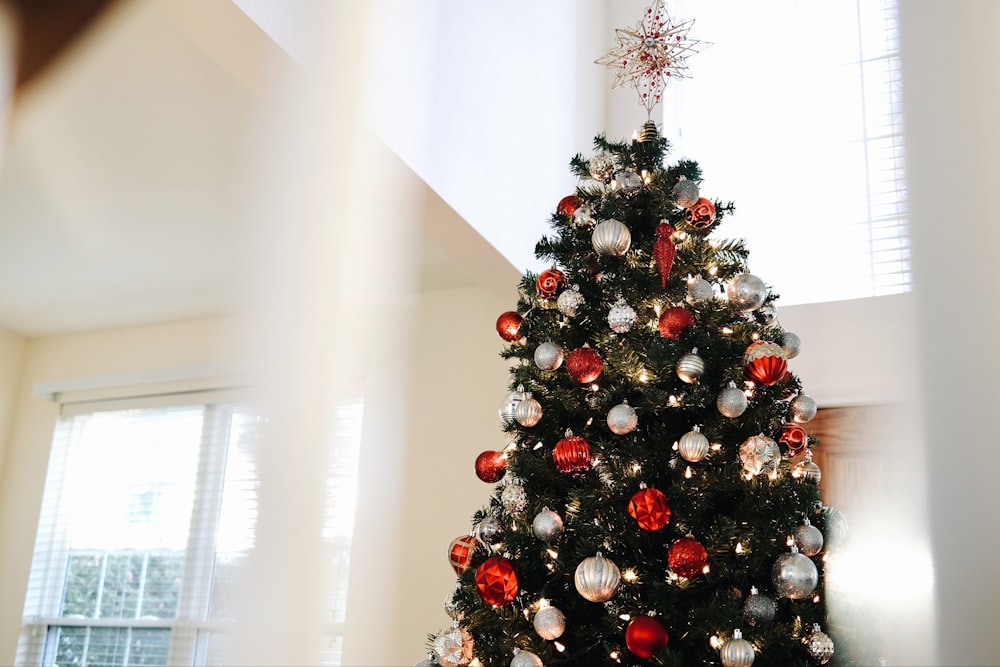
[
  {"x": 802, "y": 409},
  {"x": 490, "y": 530},
  {"x": 792, "y": 344},
  {"x": 699, "y": 290},
  {"x": 528, "y": 411},
  {"x": 794, "y": 575},
  {"x": 819, "y": 645},
  {"x": 550, "y": 623},
  {"x": 569, "y": 301},
  {"x": 759, "y": 610},
  {"x": 808, "y": 539},
  {"x": 514, "y": 498},
  {"x": 602, "y": 167},
  {"x": 621, "y": 317},
  {"x": 731, "y": 402},
  {"x": 746, "y": 292},
  {"x": 836, "y": 526},
  {"x": 548, "y": 356},
  {"x": 526, "y": 659},
  {"x": 759, "y": 454},
  {"x": 622, "y": 419},
  {"x": 686, "y": 193},
  {"x": 547, "y": 525},
  {"x": 693, "y": 445},
  {"x": 737, "y": 652},
  {"x": 690, "y": 367},
  {"x": 611, "y": 237},
  {"x": 509, "y": 405},
  {"x": 597, "y": 578},
  {"x": 628, "y": 182},
  {"x": 768, "y": 313},
  {"x": 453, "y": 647}
]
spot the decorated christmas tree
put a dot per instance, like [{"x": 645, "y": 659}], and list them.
[{"x": 657, "y": 502}]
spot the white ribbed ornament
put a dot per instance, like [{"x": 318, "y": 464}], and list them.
[
  {"x": 693, "y": 445},
  {"x": 611, "y": 237},
  {"x": 597, "y": 578},
  {"x": 528, "y": 411}
]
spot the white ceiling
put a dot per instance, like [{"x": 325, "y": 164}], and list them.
[{"x": 119, "y": 188}]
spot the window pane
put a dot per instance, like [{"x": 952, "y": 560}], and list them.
[{"x": 107, "y": 647}]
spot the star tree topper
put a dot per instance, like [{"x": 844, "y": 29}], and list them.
[{"x": 651, "y": 54}]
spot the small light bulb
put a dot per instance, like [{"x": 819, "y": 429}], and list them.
[
  {"x": 714, "y": 641},
  {"x": 657, "y": 309},
  {"x": 672, "y": 400},
  {"x": 625, "y": 617},
  {"x": 613, "y": 655},
  {"x": 590, "y": 421},
  {"x": 630, "y": 575},
  {"x": 643, "y": 377},
  {"x": 475, "y": 663},
  {"x": 594, "y": 387},
  {"x": 559, "y": 647},
  {"x": 716, "y": 446},
  {"x": 773, "y": 475},
  {"x": 739, "y": 547},
  {"x": 553, "y": 554},
  {"x": 755, "y": 336},
  {"x": 712, "y": 270},
  {"x": 706, "y": 569},
  {"x": 538, "y": 445},
  {"x": 676, "y": 446},
  {"x": 749, "y": 476},
  {"x": 687, "y": 473},
  {"x": 726, "y": 331},
  {"x": 816, "y": 598},
  {"x": 790, "y": 541}
]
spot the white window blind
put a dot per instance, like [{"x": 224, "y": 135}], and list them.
[
  {"x": 794, "y": 113},
  {"x": 147, "y": 516}
]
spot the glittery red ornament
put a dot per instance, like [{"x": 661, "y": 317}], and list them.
[
  {"x": 701, "y": 215},
  {"x": 687, "y": 557},
  {"x": 567, "y": 205},
  {"x": 584, "y": 364},
  {"x": 509, "y": 325},
  {"x": 491, "y": 466},
  {"x": 572, "y": 455},
  {"x": 549, "y": 282},
  {"x": 460, "y": 552},
  {"x": 766, "y": 362},
  {"x": 496, "y": 581},
  {"x": 675, "y": 321},
  {"x": 664, "y": 251},
  {"x": 649, "y": 508},
  {"x": 645, "y": 636},
  {"x": 794, "y": 437}
]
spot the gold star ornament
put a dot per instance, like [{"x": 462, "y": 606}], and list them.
[{"x": 651, "y": 54}]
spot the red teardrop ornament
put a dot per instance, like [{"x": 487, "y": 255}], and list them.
[{"x": 664, "y": 251}]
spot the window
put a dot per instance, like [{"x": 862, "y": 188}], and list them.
[
  {"x": 147, "y": 516},
  {"x": 794, "y": 112}
]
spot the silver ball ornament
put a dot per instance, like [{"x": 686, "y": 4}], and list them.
[
  {"x": 550, "y": 623},
  {"x": 548, "y": 356},
  {"x": 802, "y": 409},
  {"x": 490, "y": 530},
  {"x": 627, "y": 182},
  {"x": 597, "y": 578},
  {"x": 806, "y": 470},
  {"x": 453, "y": 647},
  {"x": 699, "y": 290},
  {"x": 611, "y": 237},
  {"x": 794, "y": 575},
  {"x": 819, "y": 645},
  {"x": 569, "y": 301},
  {"x": 686, "y": 193},
  {"x": 547, "y": 525},
  {"x": 528, "y": 411},
  {"x": 622, "y": 419},
  {"x": 731, "y": 402},
  {"x": 526, "y": 659},
  {"x": 768, "y": 313},
  {"x": 602, "y": 167},
  {"x": 621, "y": 317},
  {"x": 690, "y": 367},
  {"x": 693, "y": 445},
  {"x": 792, "y": 344},
  {"x": 509, "y": 405},
  {"x": 808, "y": 539},
  {"x": 737, "y": 652},
  {"x": 451, "y": 607},
  {"x": 759, "y": 610},
  {"x": 836, "y": 526},
  {"x": 746, "y": 292},
  {"x": 514, "y": 498},
  {"x": 759, "y": 454}
]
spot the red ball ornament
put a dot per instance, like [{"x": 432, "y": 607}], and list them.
[
  {"x": 460, "y": 552},
  {"x": 650, "y": 509},
  {"x": 496, "y": 581},
  {"x": 509, "y": 325},
  {"x": 491, "y": 466},
  {"x": 687, "y": 557},
  {"x": 567, "y": 205},
  {"x": 701, "y": 215},
  {"x": 645, "y": 636},
  {"x": 549, "y": 283},
  {"x": 794, "y": 437},
  {"x": 572, "y": 455},
  {"x": 584, "y": 364},
  {"x": 766, "y": 362},
  {"x": 675, "y": 321}
]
